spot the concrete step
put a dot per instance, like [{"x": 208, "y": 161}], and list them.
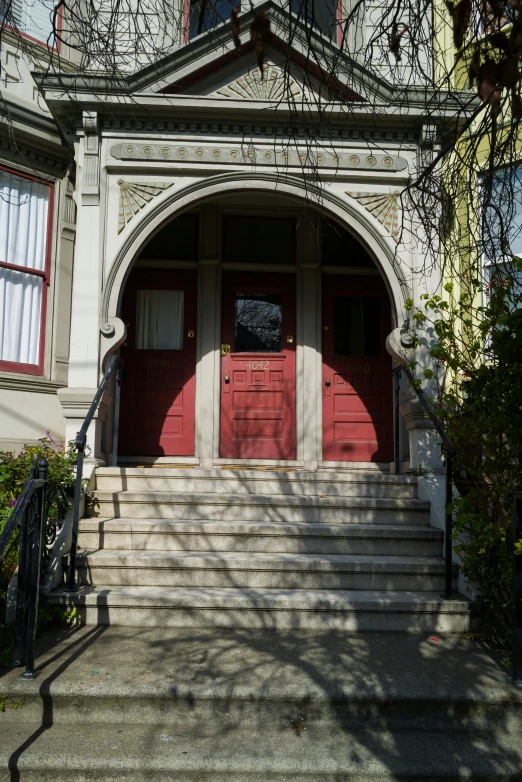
[
  {"x": 250, "y": 507},
  {"x": 270, "y": 482},
  {"x": 186, "y": 679},
  {"x": 257, "y": 536},
  {"x": 268, "y": 609},
  {"x": 138, "y": 753},
  {"x": 264, "y": 570}
]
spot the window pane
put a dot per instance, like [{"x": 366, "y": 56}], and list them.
[
  {"x": 340, "y": 248},
  {"x": 252, "y": 240},
  {"x": 357, "y": 324},
  {"x": 258, "y": 323},
  {"x": 20, "y": 310},
  {"x": 159, "y": 320},
  {"x": 317, "y": 13},
  {"x": 215, "y": 13},
  {"x": 177, "y": 241},
  {"x": 23, "y": 221},
  {"x": 504, "y": 215}
]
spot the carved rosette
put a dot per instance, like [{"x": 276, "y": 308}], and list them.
[
  {"x": 134, "y": 196},
  {"x": 274, "y": 85},
  {"x": 383, "y": 206}
]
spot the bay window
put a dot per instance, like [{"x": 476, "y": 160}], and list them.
[
  {"x": 502, "y": 226},
  {"x": 321, "y": 14},
  {"x": 25, "y": 231}
]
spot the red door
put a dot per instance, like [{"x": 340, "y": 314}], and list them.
[
  {"x": 357, "y": 370},
  {"x": 258, "y": 366},
  {"x": 158, "y": 387}
]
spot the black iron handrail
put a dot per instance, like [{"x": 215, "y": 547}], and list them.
[
  {"x": 449, "y": 452},
  {"x": 80, "y": 443},
  {"x": 30, "y": 515},
  {"x": 517, "y": 591}
]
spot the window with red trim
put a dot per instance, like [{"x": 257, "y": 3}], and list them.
[
  {"x": 32, "y": 17},
  {"x": 25, "y": 244}
]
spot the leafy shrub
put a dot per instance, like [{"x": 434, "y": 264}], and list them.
[
  {"x": 14, "y": 471},
  {"x": 478, "y": 350}
]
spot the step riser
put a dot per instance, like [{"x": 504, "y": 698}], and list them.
[
  {"x": 211, "y": 512},
  {"x": 187, "y": 713},
  {"x": 269, "y": 488},
  {"x": 286, "y": 619},
  {"x": 262, "y": 579},
  {"x": 259, "y": 544}
]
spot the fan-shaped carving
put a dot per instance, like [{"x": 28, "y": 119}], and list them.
[
  {"x": 273, "y": 86},
  {"x": 134, "y": 196},
  {"x": 383, "y": 206}
]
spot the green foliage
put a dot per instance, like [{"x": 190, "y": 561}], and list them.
[
  {"x": 479, "y": 399},
  {"x": 14, "y": 471}
]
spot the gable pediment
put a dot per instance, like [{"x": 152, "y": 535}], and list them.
[{"x": 269, "y": 85}]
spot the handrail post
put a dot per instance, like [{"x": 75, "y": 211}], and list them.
[
  {"x": 116, "y": 415},
  {"x": 35, "y": 563},
  {"x": 448, "y": 531},
  {"x": 397, "y": 373},
  {"x": 516, "y": 677},
  {"x": 21, "y": 586},
  {"x": 71, "y": 578}
]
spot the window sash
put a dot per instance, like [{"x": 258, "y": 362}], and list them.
[{"x": 23, "y": 304}]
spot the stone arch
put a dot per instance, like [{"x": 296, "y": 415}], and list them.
[{"x": 349, "y": 214}]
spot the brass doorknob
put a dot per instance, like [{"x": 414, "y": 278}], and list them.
[
  {"x": 227, "y": 379},
  {"x": 327, "y": 382}
]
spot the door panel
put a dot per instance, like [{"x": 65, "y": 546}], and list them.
[
  {"x": 258, "y": 372},
  {"x": 357, "y": 380},
  {"x": 158, "y": 388}
]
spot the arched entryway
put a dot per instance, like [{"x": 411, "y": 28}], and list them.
[{"x": 284, "y": 356}]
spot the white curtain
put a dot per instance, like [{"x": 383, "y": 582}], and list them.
[
  {"x": 24, "y": 208},
  {"x": 159, "y": 320}
]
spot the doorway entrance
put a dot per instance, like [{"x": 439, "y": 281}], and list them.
[
  {"x": 357, "y": 376},
  {"x": 258, "y": 366},
  {"x": 158, "y": 386}
]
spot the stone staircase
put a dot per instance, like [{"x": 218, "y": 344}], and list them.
[{"x": 187, "y": 547}]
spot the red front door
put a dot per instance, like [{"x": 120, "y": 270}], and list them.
[
  {"x": 258, "y": 366},
  {"x": 357, "y": 370},
  {"x": 158, "y": 387}
]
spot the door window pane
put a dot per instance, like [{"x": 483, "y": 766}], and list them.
[
  {"x": 159, "y": 320},
  {"x": 357, "y": 324},
  {"x": 258, "y": 323}
]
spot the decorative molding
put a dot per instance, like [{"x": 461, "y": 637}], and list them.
[
  {"x": 252, "y": 155},
  {"x": 90, "y": 121},
  {"x": 134, "y": 196},
  {"x": 38, "y": 385},
  {"x": 191, "y": 129},
  {"x": 90, "y": 190},
  {"x": 275, "y": 85},
  {"x": 383, "y": 206}
]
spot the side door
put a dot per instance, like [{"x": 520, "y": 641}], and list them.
[
  {"x": 258, "y": 366},
  {"x": 357, "y": 370},
  {"x": 158, "y": 387}
]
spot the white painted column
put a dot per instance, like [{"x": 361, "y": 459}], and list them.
[
  {"x": 309, "y": 400},
  {"x": 208, "y": 364},
  {"x": 86, "y": 291}
]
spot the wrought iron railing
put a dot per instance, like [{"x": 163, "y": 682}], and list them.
[
  {"x": 115, "y": 363},
  {"x": 448, "y": 451},
  {"x": 29, "y": 519}
]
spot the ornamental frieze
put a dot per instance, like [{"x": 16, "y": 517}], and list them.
[{"x": 249, "y": 154}]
